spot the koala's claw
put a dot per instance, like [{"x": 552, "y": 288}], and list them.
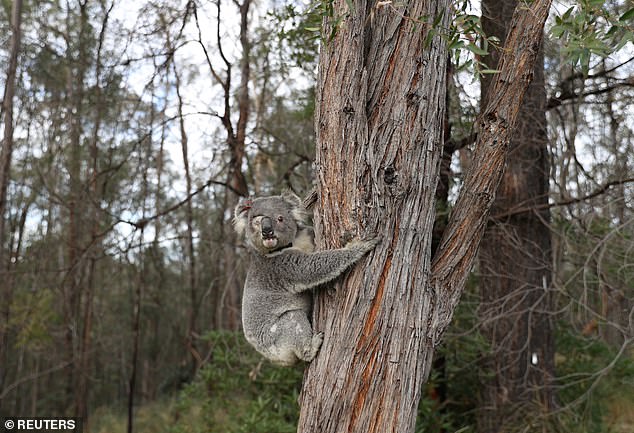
[
  {"x": 364, "y": 245},
  {"x": 374, "y": 241},
  {"x": 318, "y": 338},
  {"x": 311, "y": 351}
]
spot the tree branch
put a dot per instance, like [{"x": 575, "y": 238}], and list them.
[
  {"x": 522, "y": 207},
  {"x": 452, "y": 145},
  {"x": 557, "y": 101},
  {"x": 144, "y": 221},
  {"x": 33, "y": 376},
  {"x": 599, "y": 74}
]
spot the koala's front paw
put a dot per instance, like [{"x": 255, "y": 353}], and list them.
[
  {"x": 373, "y": 242},
  {"x": 365, "y": 245}
]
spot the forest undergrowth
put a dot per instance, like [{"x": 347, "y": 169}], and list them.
[{"x": 239, "y": 392}]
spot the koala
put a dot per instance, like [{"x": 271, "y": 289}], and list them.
[{"x": 283, "y": 268}]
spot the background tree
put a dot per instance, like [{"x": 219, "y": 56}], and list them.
[
  {"x": 6, "y": 152},
  {"x": 515, "y": 262}
]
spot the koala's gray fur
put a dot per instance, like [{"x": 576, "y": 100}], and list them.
[{"x": 276, "y": 299}]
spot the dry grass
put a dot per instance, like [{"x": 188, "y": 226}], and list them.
[{"x": 620, "y": 417}]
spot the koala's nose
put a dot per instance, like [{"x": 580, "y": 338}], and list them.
[{"x": 267, "y": 226}]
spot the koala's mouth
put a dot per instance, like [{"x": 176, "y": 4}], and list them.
[{"x": 269, "y": 241}]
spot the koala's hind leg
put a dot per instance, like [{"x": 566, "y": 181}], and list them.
[{"x": 298, "y": 336}]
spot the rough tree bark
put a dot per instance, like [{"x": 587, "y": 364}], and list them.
[
  {"x": 379, "y": 115},
  {"x": 515, "y": 263}
]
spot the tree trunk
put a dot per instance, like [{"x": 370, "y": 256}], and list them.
[
  {"x": 379, "y": 120},
  {"x": 136, "y": 342},
  {"x": 380, "y": 110},
  {"x": 5, "y": 167},
  {"x": 82, "y": 391},
  {"x": 228, "y": 308},
  {"x": 516, "y": 264},
  {"x": 7, "y": 109},
  {"x": 192, "y": 309},
  {"x": 615, "y": 305}
]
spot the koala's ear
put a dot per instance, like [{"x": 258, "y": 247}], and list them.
[
  {"x": 290, "y": 198},
  {"x": 240, "y": 215},
  {"x": 297, "y": 208}
]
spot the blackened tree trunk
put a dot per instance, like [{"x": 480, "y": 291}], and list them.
[
  {"x": 379, "y": 121},
  {"x": 515, "y": 263}
]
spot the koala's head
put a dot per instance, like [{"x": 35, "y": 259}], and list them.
[{"x": 269, "y": 223}]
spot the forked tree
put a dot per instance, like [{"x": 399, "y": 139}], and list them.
[{"x": 379, "y": 110}]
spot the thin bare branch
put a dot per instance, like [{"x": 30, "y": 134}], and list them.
[
  {"x": 557, "y": 101},
  {"x": 522, "y": 207},
  {"x": 144, "y": 221}
]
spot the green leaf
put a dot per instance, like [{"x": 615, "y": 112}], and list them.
[
  {"x": 437, "y": 19},
  {"x": 428, "y": 38},
  {"x": 557, "y": 31},
  {"x": 584, "y": 61},
  {"x": 628, "y": 37},
  {"x": 477, "y": 50},
  {"x": 627, "y": 15},
  {"x": 494, "y": 39},
  {"x": 612, "y": 31},
  {"x": 456, "y": 44},
  {"x": 465, "y": 66},
  {"x": 350, "y": 5}
]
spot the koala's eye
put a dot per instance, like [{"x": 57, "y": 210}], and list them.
[
  {"x": 280, "y": 218},
  {"x": 257, "y": 221}
]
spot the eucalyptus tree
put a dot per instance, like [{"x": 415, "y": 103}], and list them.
[{"x": 379, "y": 112}]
